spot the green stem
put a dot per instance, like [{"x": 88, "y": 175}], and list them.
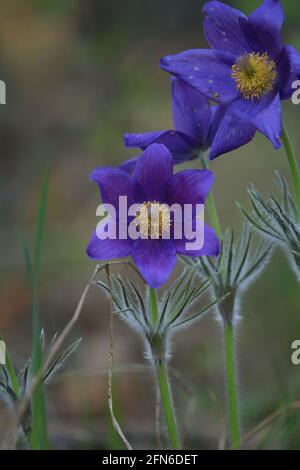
[
  {"x": 213, "y": 213},
  {"x": 232, "y": 386},
  {"x": 158, "y": 347},
  {"x": 153, "y": 307},
  {"x": 294, "y": 169},
  {"x": 167, "y": 403}
]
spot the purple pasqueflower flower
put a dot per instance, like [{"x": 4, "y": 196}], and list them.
[
  {"x": 152, "y": 182},
  {"x": 193, "y": 118},
  {"x": 247, "y": 71}
]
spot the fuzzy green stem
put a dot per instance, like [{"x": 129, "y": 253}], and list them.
[
  {"x": 153, "y": 306},
  {"x": 157, "y": 344},
  {"x": 167, "y": 403},
  {"x": 294, "y": 169},
  {"x": 232, "y": 396}
]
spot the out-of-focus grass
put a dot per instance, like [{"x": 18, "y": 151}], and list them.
[{"x": 39, "y": 433}]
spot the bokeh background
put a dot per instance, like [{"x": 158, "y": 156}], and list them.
[{"x": 79, "y": 73}]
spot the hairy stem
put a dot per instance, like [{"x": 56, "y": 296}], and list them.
[
  {"x": 294, "y": 169},
  {"x": 167, "y": 403},
  {"x": 232, "y": 395},
  {"x": 158, "y": 348}
]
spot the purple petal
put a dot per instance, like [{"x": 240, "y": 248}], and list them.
[
  {"x": 269, "y": 15},
  {"x": 190, "y": 187},
  {"x": 211, "y": 245},
  {"x": 233, "y": 131},
  {"x": 129, "y": 165},
  {"x": 143, "y": 140},
  {"x": 251, "y": 108},
  {"x": 289, "y": 70},
  {"x": 254, "y": 41},
  {"x": 113, "y": 183},
  {"x": 216, "y": 118},
  {"x": 155, "y": 259},
  {"x": 269, "y": 122},
  {"x": 181, "y": 146},
  {"x": 223, "y": 28},
  {"x": 153, "y": 170},
  {"x": 191, "y": 111},
  {"x": 266, "y": 22},
  {"x": 208, "y": 71},
  {"x": 108, "y": 249}
]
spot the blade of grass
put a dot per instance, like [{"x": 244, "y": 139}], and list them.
[
  {"x": 10, "y": 440},
  {"x": 11, "y": 372},
  {"x": 26, "y": 258},
  {"x": 39, "y": 434}
]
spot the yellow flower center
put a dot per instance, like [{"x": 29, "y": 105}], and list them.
[
  {"x": 254, "y": 74},
  {"x": 153, "y": 219}
]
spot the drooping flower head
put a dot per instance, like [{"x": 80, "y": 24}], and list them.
[
  {"x": 152, "y": 186},
  {"x": 194, "y": 124},
  {"x": 247, "y": 71}
]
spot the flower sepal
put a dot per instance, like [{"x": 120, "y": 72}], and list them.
[{"x": 176, "y": 307}]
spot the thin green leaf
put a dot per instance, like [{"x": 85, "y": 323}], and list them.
[
  {"x": 257, "y": 226},
  {"x": 243, "y": 260},
  {"x": 27, "y": 260},
  {"x": 11, "y": 372},
  {"x": 39, "y": 434},
  {"x": 193, "y": 317},
  {"x": 141, "y": 302},
  {"x": 229, "y": 260},
  {"x": 164, "y": 310},
  {"x": 187, "y": 300},
  {"x": 256, "y": 266},
  {"x": 61, "y": 360}
]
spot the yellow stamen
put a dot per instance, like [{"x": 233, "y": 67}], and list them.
[
  {"x": 153, "y": 219},
  {"x": 255, "y": 75}
]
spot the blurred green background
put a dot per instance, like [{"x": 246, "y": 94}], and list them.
[{"x": 79, "y": 74}]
